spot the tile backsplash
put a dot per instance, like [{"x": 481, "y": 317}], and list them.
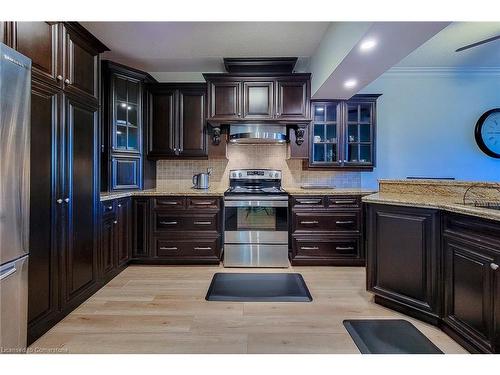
[{"x": 178, "y": 173}]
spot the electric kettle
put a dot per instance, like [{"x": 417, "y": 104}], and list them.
[{"x": 202, "y": 180}]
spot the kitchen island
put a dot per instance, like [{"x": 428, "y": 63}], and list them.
[{"x": 434, "y": 257}]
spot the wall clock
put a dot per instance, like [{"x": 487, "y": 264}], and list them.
[{"x": 487, "y": 133}]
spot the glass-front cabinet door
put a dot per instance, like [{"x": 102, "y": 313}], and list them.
[
  {"x": 342, "y": 133},
  {"x": 325, "y": 135},
  {"x": 126, "y": 116},
  {"x": 359, "y": 134}
]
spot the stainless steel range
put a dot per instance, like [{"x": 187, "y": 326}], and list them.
[{"x": 255, "y": 219}]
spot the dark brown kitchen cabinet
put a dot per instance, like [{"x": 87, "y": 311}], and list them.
[
  {"x": 266, "y": 97},
  {"x": 179, "y": 230},
  {"x": 325, "y": 230},
  {"x": 64, "y": 54},
  {"x": 177, "y": 126},
  {"x": 115, "y": 237},
  {"x": 472, "y": 282},
  {"x": 44, "y": 268},
  {"x": 292, "y": 99},
  {"x": 64, "y": 188},
  {"x": 342, "y": 133},
  {"x": 124, "y": 103},
  {"x": 404, "y": 259}
]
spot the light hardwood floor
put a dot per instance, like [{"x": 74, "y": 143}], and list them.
[{"x": 162, "y": 309}]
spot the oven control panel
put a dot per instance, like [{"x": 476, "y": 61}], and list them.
[{"x": 255, "y": 174}]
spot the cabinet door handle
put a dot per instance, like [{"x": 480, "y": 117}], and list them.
[
  {"x": 344, "y": 202},
  {"x": 340, "y": 222},
  {"x": 110, "y": 208},
  {"x": 494, "y": 266},
  {"x": 309, "y": 222},
  {"x": 167, "y": 248},
  {"x": 169, "y": 203},
  {"x": 202, "y": 203},
  {"x": 66, "y": 200},
  {"x": 203, "y": 248},
  {"x": 119, "y": 205},
  {"x": 309, "y": 248},
  {"x": 59, "y": 201},
  {"x": 59, "y": 77},
  {"x": 202, "y": 222},
  {"x": 67, "y": 81},
  {"x": 168, "y": 222},
  {"x": 310, "y": 201},
  {"x": 344, "y": 248}
]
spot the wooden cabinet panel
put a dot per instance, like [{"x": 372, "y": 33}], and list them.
[
  {"x": 140, "y": 227},
  {"x": 81, "y": 155},
  {"x": 126, "y": 172},
  {"x": 43, "y": 277},
  {"x": 163, "y": 138},
  {"x": 123, "y": 226},
  {"x": 192, "y": 127},
  {"x": 470, "y": 291},
  {"x": 80, "y": 65},
  {"x": 39, "y": 41},
  {"x": 292, "y": 99},
  {"x": 107, "y": 246},
  {"x": 258, "y": 100},
  {"x": 403, "y": 260},
  {"x": 225, "y": 102}
]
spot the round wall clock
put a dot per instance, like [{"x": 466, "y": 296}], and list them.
[{"x": 487, "y": 133}]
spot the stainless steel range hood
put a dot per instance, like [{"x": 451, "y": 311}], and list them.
[{"x": 257, "y": 134}]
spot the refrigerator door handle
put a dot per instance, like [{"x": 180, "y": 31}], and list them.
[{"x": 7, "y": 272}]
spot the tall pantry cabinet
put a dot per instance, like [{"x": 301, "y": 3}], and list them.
[{"x": 64, "y": 166}]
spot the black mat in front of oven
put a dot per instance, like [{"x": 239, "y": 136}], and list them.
[{"x": 258, "y": 287}]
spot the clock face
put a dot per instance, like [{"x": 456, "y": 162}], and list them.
[{"x": 488, "y": 133}]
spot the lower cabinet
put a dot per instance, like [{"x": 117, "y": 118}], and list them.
[
  {"x": 472, "y": 284},
  {"x": 115, "y": 239},
  {"x": 439, "y": 267},
  {"x": 177, "y": 230},
  {"x": 326, "y": 230},
  {"x": 403, "y": 258}
]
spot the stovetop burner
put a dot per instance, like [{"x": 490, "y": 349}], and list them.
[{"x": 255, "y": 181}]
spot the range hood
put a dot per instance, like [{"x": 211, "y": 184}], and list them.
[{"x": 257, "y": 134}]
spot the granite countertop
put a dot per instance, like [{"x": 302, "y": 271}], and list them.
[
  {"x": 449, "y": 204},
  {"x": 182, "y": 191},
  {"x": 332, "y": 191}
]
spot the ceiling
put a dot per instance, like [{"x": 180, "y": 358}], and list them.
[
  {"x": 439, "y": 51},
  {"x": 200, "y": 46}
]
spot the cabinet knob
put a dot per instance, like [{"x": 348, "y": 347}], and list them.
[
  {"x": 59, "y": 77},
  {"x": 239, "y": 114},
  {"x": 66, "y": 200},
  {"x": 115, "y": 221},
  {"x": 59, "y": 201},
  {"x": 494, "y": 266},
  {"x": 119, "y": 205},
  {"x": 66, "y": 81},
  {"x": 278, "y": 114}
]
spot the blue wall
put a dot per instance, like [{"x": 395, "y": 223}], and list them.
[{"x": 425, "y": 125}]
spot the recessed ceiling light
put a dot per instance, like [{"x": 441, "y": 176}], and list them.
[
  {"x": 350, "y": 83},
  {"x": 368, "y": 44}
]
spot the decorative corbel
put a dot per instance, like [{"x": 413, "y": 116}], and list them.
[
  {"x": 299, "y": 134},
  {"x": 216, "y": 136}
]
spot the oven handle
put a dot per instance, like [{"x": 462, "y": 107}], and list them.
[{"x": 256, "y": 203}]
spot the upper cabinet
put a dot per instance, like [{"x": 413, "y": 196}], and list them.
[
  {"x": 178, "y": 120},
  {"x": 64, "y": 54},
  {"x": 342, "y": 133},
  {"x": 240, "y": 98},
  {"x": 123, "y": 137}
]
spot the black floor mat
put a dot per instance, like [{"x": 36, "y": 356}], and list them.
[
  {"x": 258, "y": 287},
  {"x": 389, "y": 336}
]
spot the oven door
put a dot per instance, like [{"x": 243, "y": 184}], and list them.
[{"x": 256, "y": 220}]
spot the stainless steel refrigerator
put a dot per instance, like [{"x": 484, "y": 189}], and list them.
[{"x": 15, "y": 91}]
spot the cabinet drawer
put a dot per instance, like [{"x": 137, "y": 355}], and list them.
[
  {"x": 326, "y": 248},
  {"x": 316, "y": 201},
  {"x": 475, "y": 229},
  {"x": 326, "y": 222},
  {"x": 185, "y": 222},
  {"x": 201, "y": 203},
  {"x": 202, "y": 222},
  {"x": 174, "y": 248},
  {"x": 170, "y": 202},
  {"x": 342, "y": 201},
  {"x": 169, "y": 222}
]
